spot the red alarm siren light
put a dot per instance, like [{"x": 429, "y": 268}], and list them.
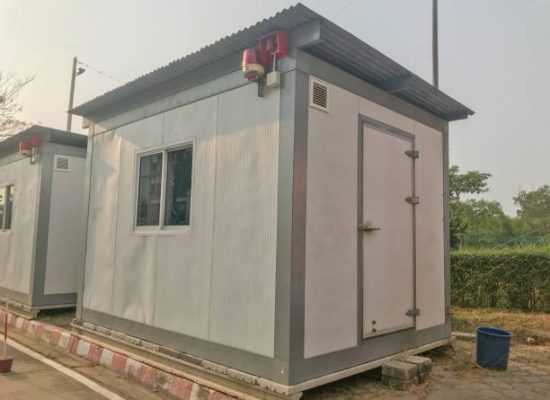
[{"x": 252, "y": 67}]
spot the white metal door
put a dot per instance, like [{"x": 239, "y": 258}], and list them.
[{"x": 387, "y": 231}]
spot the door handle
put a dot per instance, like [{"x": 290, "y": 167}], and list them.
[{"x": 368, "y": 228}]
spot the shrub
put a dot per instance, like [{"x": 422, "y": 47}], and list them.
[{"x": 514, "y": 278}]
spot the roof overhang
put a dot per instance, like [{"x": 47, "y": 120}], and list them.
[{"x": 313, "y": 34}]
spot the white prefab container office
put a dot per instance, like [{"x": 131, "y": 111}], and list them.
[
  {"x": 41, "y": 214},
  {"x": 289, "y": 234}
]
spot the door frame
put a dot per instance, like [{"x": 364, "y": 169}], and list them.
[{"x": 391, "y": 130}]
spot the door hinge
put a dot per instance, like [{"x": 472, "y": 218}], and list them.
[
  {"x": 413, "y": 200},
  {"x": 412, "y": 153},
  {"x": 413, "y": 312}
]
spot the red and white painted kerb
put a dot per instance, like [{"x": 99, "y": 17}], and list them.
[{"x": 177, "y": 386}]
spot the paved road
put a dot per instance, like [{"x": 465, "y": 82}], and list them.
[{"x": 30, "y": 379}]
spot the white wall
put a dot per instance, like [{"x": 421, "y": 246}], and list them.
[
  {"x": 217, "y": 280},
  {"x": 65, "y": 229},
  {"x": 331, "y": 225},
  {"x": 16, "y": 245}
]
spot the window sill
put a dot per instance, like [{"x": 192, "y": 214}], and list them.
[{"x": 164, "y": 232}]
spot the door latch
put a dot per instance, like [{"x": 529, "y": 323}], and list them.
[
  {"x": 413, "y": 312},
  {"x": 412, "y": 200},
  {"x": 412, "y": 153},
  {"x": 368, "y": 228}
]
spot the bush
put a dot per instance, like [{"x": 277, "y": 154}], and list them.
[{"x": 514, "y": 278}]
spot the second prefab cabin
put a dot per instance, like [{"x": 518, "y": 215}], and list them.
[
  {"x": 290, "y": 225},
  {"x": 41, "y": 218}
]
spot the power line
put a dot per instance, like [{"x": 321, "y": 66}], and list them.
[
  {"x": 99, "y": 71},
  {"x": 343, "y": 9}
]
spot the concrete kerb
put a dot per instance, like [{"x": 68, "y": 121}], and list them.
[
  {"x": 179, "y": 387},
  {"x": 206, "y": 373}
]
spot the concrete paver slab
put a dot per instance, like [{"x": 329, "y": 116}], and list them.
[{"x": 31, "y": 379}]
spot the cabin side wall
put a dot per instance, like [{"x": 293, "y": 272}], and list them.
[
  {"x": 208, "y": 290},
  {"x": 17, "y": 243},
  {"x": 61, "y": 228},
  {"x": 328, "y": 285}
]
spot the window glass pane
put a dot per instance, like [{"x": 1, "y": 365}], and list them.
[
  {"x": 149, "y": 187},
  {"x": 3, "y": 193},
  {"x": 9, "y": 206},
  {"x": 178, "y": 187}
]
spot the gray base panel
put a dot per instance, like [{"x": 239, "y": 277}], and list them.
[
  {"x": 272, "y": 369},
  {"x": 239, "y": 359},
  {"x": 369, "y": 350},
  {"x": 62, "y": 300},
  {"x": 19, "y": 297}
]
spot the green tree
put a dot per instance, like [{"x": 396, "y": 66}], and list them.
[
  {"x": 534, "y": 210},
  {"x": 470, "y": 215},
  {"x": 471, "y": 182}
]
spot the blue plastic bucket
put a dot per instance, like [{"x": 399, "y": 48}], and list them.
[{"x": 493, "y": 347}]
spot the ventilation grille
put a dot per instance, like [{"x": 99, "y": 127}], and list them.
[
  {"x": 62, "y": 163},
  {"x": 319, "y": 95}
]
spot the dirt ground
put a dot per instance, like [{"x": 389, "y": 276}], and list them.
[{"x": 455, "y": 374}]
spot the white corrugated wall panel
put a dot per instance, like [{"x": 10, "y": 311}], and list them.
[
  {"x": 430, "y": 257},
  {"x": 182, "y": 286},
  {"x": 215, "y": 280},
  {"x": 331, "y": 227},
  {"x": 65, "y": 229},
  {"x": 245, "y": 223},
  {"x": 16, "y": 245},
  {"x": 135, "y": 255},
  {"x": 101, "y": 242}
]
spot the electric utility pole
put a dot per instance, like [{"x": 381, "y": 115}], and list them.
[
  {"x": 74, "y": 73},
  {"x": 71, "y": 96},
  {"x": 435, "y": 49}
]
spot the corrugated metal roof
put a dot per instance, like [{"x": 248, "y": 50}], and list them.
[
  {"x": 50, "y": 135},
  {"x": 337, "y": 47}
]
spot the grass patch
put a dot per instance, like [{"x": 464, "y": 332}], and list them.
[{"x": 530, "y": 328}]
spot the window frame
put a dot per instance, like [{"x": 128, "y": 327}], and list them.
[
  {"x": 3, "y": 229},
  {"x": 161, "y": 228}
]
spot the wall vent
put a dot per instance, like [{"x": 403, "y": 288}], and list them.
[
  {"x": 62, "y": 163},
  {"x": 319, "y": 96}
]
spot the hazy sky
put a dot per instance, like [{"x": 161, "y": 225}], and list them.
[{"x": 494, "y": 57}]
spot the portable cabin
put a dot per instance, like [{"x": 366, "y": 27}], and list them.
[
  {"x": 285, "y": 219},
  {"x": 42, "y": 174}
]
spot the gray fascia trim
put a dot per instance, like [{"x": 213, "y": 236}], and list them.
[
  {"x": 299, "y": 195},
  {"x": 184, "y": 82},
  {"x": 71, "y": 151},
  {"x": 372, "y": 349},
  {"x": 41, "y": 247},
  {"x": 284, "y": 216},
  {"x": 85, "y": 216},
  {"x": 446, "y": 230},
  {"x": 231, "y": 357},
  {"x": 314, "y": 66},
  {"x": 360, "y": 221}
]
